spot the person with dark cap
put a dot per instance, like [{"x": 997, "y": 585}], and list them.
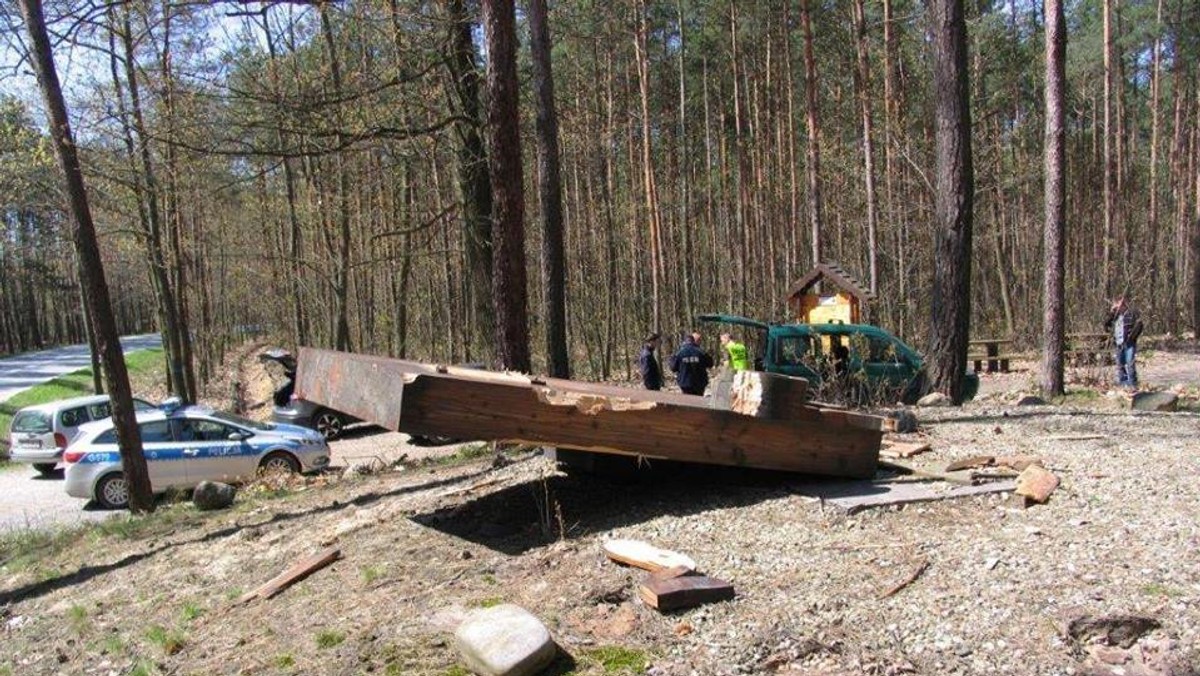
[
  {"x": 1125, "y": 325},
  {"x": 648, "y": 365},
  {"x": 690, "y": 365}
]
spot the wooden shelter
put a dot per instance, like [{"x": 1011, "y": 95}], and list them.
[
  {"x": 763, "y": 420},
  {"x": 841, "y": 298}
]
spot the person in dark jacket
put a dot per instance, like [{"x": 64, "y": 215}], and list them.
[
  {"x": 690, "y": 365},
  {"x": 648, "y": 364},
  {"x": 1126, "y": 326}
]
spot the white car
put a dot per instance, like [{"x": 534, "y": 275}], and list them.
[
  {"x": 187, "y": 445},
  {"x": 40, "y": 434}
]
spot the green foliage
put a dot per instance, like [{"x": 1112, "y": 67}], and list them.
[
  {"x": 370, "y": 574},
  {"x": 285, "y": 661},
  {"x": 170, "y": 641},
  {"x": 491, "y": 602},
  {"x": 329, "y": 638},
  {"x": 617, "y": 659},
  {"x": 78, "y": 616},
  {"x": 190, "y": 611}
]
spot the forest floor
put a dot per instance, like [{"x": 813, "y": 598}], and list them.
[{"x": 426, "y": 540}]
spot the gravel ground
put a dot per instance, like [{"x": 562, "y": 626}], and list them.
[{"x": 994, "y": 581}]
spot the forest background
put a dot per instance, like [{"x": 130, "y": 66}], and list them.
[{"x": 318, "y": 170}]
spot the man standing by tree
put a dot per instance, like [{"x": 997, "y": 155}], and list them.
[
  {"x": 1126, "y": 326},
  {"x": 95, "y": 287},
  {"x": 739, "y": 359},
  {"x": 648, "y": 364}
]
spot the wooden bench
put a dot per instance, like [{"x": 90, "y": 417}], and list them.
[{"x": 988, "y": 349}]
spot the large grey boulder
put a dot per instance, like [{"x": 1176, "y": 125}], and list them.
[
  {"x": 1155, "y": 401},
  {"x": 504, "y": 640},
  {"x": 213, "y": 495},
  {"x": 934, "y": 399}
]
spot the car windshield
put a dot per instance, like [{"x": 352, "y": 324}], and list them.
[
  {"x": 244, "y": 422},
  {"x": 36, "y": 422}
]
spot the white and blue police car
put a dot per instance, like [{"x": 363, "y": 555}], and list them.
[{"x": 185, "y": 445}]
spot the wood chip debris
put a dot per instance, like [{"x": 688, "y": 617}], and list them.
[
  {"x": 646, "y": 556},
  {"x": 902, "y": 450},
  {"x": 912, "y": 577},
  {"x": 1036, "y": 483}
]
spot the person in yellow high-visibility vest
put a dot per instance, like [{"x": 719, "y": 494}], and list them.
[{"x": 739, "y": 359}]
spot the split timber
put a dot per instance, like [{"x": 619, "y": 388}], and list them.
[{"x": 429, "y": 399}]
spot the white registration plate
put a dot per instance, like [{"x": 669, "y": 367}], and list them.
[{"x": 31, "y": 443}]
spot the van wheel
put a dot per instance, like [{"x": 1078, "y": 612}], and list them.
[
  {"x": 278, "y": 461},
  {"x": 113, "y": 492},
  {"x": 44, "y": 468},
  {"x": 329, "y": 424}
]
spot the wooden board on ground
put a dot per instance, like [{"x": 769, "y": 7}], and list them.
[
  {"x": 902, "y": 449},
  {"x": 684, "y": 591},
  {"x": 855, "y": 496},
  {"x": 463, "y": 403},
  {"x": 646, "y": 556},
  {"x": 298, "y": 571}
]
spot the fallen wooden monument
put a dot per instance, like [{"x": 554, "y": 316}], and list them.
[{"x": 761, "y": 422}]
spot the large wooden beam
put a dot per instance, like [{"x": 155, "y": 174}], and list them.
[{"x": 433, "y": 400}]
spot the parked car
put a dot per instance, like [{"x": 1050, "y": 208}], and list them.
[
  {"x": 292, "y": 410},
  {"x": 870, "y": 361},
  {"x": 184, "y": 446},
  {"x": 39, "y": 434}
]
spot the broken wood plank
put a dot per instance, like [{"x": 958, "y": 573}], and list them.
[
  {"x": 683, "y": 591},
  {"x": 764, "y": 395},
  {"x": 912, "y": 577},
  {"x": 903, "y": 450},
  {"x": 1074, "y": 437},
  {"x": 292, "y": 575},
  {"x": 971, "y": 463},
  {"x": 645, "y": 555},
  {"x": 855, "y": 496},
  {"x": 963, "y": 478},
  {"x": 1036, "y": 483},
  {"x": 1018, "y": 462},
  {"x": 469, "y": 404}
]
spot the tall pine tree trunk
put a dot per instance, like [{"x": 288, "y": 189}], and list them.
[
  {"x": 1053, "y": 308},
  {"x": 95, "y": 287},
  {"x": 509, "y": 286},
  {"x": 953, "y": 200},
  {"x": 814, "y": 134}
]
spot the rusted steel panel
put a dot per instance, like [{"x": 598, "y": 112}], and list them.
[{"x": 366, "y": 387}]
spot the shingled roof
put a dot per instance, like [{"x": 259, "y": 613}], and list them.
[{"x": 834, "y": 274}]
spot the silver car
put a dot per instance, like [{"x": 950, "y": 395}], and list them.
[
  {"x": 40, "y": 433},
  {"x": 185, "y": 446}
]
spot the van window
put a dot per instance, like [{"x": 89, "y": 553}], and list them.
[
  {"x": 157, "y": 431},
  {"x": 109, "y": 437},
  {"x": 73, "y": 417},
  {"x": 33, "y": 422},
  {"x": 795, "y": 350},
  {"x": 100, "y": 411}
]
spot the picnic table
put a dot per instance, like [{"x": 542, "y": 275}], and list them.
[{"x": 988, "y": 349}]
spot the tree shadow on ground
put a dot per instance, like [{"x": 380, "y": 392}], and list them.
[
  {"x": 88, "y": 572},
  {"x": 518, "y": 518}
]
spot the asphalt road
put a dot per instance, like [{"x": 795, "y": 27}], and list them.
[{"x": 23, "y": 371}]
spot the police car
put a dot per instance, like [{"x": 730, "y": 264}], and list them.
[{"x": 185, "y": 445}]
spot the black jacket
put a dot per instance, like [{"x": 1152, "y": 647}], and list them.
[
  {"x": 1133, "y": 325},
  {"x": 691, "y": 365},
  {"x": 651, "y": 372}
]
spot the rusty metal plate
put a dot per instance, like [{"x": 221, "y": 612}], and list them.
[{"x": 368, "y": 388}]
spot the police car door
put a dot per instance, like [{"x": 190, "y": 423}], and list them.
[
  {"x": 212, "y": 454},
  {"x": 164, "y": 460}
]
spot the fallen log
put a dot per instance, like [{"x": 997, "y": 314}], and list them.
[
  {"x": 469, "y": 404},
  {"x": 292, "y": 575}
]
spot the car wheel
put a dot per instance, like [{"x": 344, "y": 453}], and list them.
[
  {"x": 278, "y": 461},
  {"x": 113, "y": 492},
  {"x": 329, "y": 424},
  {"x": 44, "y": 468}
]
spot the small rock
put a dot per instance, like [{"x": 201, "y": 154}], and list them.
[
  {"x": 906, "y": 420},
  {"x": 991, "y": 563},
  {"x": 1031, "y": 400},
  {"x": 1155, "y": 401},
  {"x": 213, "y": 495},
  {"x": 504, "y": 640},
  {"x": 933, "y": 400}
]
